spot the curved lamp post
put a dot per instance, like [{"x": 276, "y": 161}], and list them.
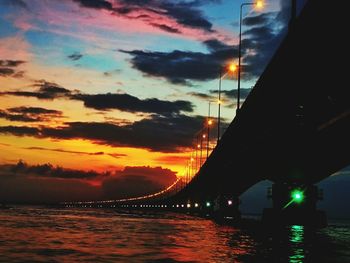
[
  {"x": 230, "y": 68},
  {"x": 258, "y": 5}
]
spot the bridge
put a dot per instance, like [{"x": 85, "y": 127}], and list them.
[{"x": 292, "y": 129}]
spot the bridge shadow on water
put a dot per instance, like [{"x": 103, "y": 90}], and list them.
[{"x": 251, "y": 241}]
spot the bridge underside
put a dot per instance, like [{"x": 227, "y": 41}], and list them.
[{"x": 295, "y": 125}]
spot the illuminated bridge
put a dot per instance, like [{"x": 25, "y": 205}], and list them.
[{"x": 293, "y": 128}]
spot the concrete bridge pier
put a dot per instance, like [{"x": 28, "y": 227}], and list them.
[{"x": 294, "y": 204}]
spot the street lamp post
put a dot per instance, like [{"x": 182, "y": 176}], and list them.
[
  {"x": 231, "y": 68},
  {"x": 208, "y": 134},
  {"x": 219, "y": 105},
  {"x": 259, "y": 5}
]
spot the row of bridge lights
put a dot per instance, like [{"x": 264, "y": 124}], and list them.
[
  {"x": 231, "y": 68},
  {"x": 188, "y": 205},
  {"x": 297, "y": 196}
]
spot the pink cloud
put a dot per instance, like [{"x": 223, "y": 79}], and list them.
[{"x": 91, "y": 24}]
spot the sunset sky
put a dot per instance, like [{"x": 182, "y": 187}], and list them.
[{"x": 114, "y": 91}]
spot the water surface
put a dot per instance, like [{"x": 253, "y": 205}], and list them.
[{"x": 37, "y": 234}]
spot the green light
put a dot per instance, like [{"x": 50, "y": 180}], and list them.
[
  {"x": 207, "y": 204},
  {"x": 297, "y": 196}
]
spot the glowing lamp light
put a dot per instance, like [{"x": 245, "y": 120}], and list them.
[
  {"x": 207, "y": 204},
  {"x": 195, "y": 205},
  {"x": 198, "y": 146},
  {"x": 232, "y": 68},
  {"x": 229, "y": 202},
  {"x": 297, "y": 196},
  {"x": 188, "y": 205},
  {"x": 210, "y": 122},
  {"x": 203, "y": 136},
  {"x": 219, "y": 101},
  {"x": 259, "y": 5}
]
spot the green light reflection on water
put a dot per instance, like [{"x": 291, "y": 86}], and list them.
[{"x": 297, "y": 239}]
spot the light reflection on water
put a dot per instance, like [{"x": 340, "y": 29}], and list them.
[
  {"x": 54, "y": 235},
  {"x": 297, "y": 243}
]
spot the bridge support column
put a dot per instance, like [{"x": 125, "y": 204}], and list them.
[{"x": 294, "y": 204}]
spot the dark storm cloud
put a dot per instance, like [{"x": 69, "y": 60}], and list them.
[
  {"x": 257, "y": 20},
  {"x": 180, "y": 67},
  {"x": 75, "y": 56},
  {"x": 123, "y": 102},
  {"x": 232, "y": 94},
  {"x": 138, "y": 181},
  {"x": 214, "y": 45},
  {"x": 126, "y": 102},
  {"x": 261, "y": 36},
  {"x": 159, "y": 133},
  {"x": 98, "y": 4},
  {"x": 183, "y": 12},
  {"x": 29, "y": 114},
  {"x": 262, "y": 33}
]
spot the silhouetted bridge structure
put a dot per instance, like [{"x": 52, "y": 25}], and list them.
[{"x": 293, "y": 128}]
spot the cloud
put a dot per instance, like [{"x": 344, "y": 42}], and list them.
[
  {"x": 172, "y": 159},
  {"x": 111, "y": 73},
  {"x": 4, "y": 72},
  {"x": 114, "y": 155},
  {"x": 128, "y": 103},
  {"x": 173, "y": 15},
  {"x": 48, "y": 170},
  {"x": 75, "y": 56},
  {"x": 158, "y": 133},
  {"x": 29, "y": 114},
  {"x": 123, "y": 102},
  {"x": 11, "y": 63},
  {"x": 45, "y": 190},
  {"x": 166, "y": 28},
  {"x": 259, "y": 43},
  {"x": 232, "y": 94},
  {"x": 15, "y": 3},
  {"x": 45, "y": 184},
  {"x": 261, "y": 19},
  {"x": 138, "y": 181},
  {"x": 6, "y": 68},
  {"x": 203, "y": 96},
  {"x": 181, "y": 67},
  {"x": 98, "y": 4},
  {"x": 34, "y": 110},
  {"x": 45, "y": 90},
  {"x": 20, "y": 130}
]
